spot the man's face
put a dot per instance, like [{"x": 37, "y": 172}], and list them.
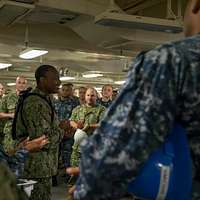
[
  {"x": 107, "y": 91},
  {"x": 67, "y": 91},
  {"x": 21, "y": 84},
  {"x": 51, "y": 81},
  {"x": 90, "y": 97},
  {"x": 82, "y": 92},
  {"x": 1, "y": 90}
]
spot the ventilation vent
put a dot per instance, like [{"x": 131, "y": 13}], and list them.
[
  {"x": 137, "y": 22},
  {"x": 11, "y": 11}
]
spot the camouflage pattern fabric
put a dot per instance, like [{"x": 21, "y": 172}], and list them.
[
  {"x": 37, "y": 112},
  {"x": 42, "y": 189},
  {"x": 2, "y": 124},
  {"x": 66, "y": 150},
  {"x": 76, "y": 156},
  {"x": 103, "y": 103},
  {"x": 162, "y": 86},
  {"x": 63, "y": 108},
  {"x": 8, "y": 186},
  {"x": 15, "y": 162},
  {"x": 89, "y": 115},
  {"x": 8, "y": 106}
]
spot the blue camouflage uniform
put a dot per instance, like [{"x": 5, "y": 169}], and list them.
[
  {"x": 63, "y": 108},
  {"x": 15, "y": 162},
  {"x": 106, "y": 104},
  {"x": 163, "y": 85}
]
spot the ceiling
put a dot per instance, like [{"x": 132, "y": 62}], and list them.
[{"x": 75, "y": 43}]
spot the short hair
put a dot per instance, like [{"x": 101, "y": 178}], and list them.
[
  {"x": 67, "y": 85},
  {"x": 42, "y": 70},
  {"x": 82, "y": 87},
  {"x": 21, "y": 77},
  {"x": 92, "y": 88},
  {"x": 107, "y": 85}
]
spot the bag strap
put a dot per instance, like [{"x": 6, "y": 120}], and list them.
[{"x": 20, "y": 106}]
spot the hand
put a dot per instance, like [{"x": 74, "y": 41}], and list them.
[
  {"x": 86, "y": 127},
  {"x": 64, "y": 124},
  {"x": 11, "y": 115},
  {"x": 73, "y": 171},
  {"x": 70, "y": 132},
  {"x": 35, "y": 144},
  {"x": 80, "y": 124}
]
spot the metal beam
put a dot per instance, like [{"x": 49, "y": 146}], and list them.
[
  {"x": 143, "y": 6},
  {"x": 77, "y": 6}
]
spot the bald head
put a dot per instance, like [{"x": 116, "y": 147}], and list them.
[
  {"x": 192, "y": 18},
  {"x": 91, "y": 96},
  {"x": 21, "y": 83}
]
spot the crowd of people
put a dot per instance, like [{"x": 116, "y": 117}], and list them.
[
  {"x": 162, "y": 88},
  {"x": 51, "y": 113}
]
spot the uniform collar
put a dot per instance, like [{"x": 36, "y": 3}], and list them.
[{"x": 37, "y": 90}]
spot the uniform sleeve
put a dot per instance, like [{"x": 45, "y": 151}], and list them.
[
  {"x": 102, "y": 112},
  {"x": 38, "y": 121},
  {"x": 3, "y": 107},
  {"x": 74, "y": 115},
  {"x": 135, "y": 124}
]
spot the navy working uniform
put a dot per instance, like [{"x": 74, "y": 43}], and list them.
[
  {"x": 106, "y": 104},
  {"x": 163, "y": 85},
  {"x": 8, "y": 184},
  {"x": 63, "y": 108},
  {"x": 15, "y": 162},
  {"x": 37, "y": 118}
]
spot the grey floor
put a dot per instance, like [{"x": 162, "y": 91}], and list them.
[{"x": 59, "y": 192}]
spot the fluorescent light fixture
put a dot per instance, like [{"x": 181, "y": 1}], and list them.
[
  {"x": 92, "y": 75},
  {"x": 120, "y": 82},
  {"x": 98, "y": 89},
  {"x": 32, "y": 53},
  {"x": 11, "y": 84},
  {"x": 4, "y": 65},
  {"x": 66, "y": 78},
  {"x": 138, "y": 22}
]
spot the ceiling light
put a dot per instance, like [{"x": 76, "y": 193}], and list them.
[
  {"x": 98, "y": 89},
  {"x": 32, "y": 53},
  {"x": 4, "y": 65},
  {"x": 11, "y": 84},
  {"x": 66, "y": 78},
  {"x": 92, "y": 75},
  {"x": 120, "y": 82}
]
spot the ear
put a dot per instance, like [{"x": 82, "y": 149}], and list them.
[{"x": 196, "y": 6}]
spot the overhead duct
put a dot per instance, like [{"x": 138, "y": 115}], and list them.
[
  {"x": 12, "y": 11},
  {"x": 123, "y": 20}
]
